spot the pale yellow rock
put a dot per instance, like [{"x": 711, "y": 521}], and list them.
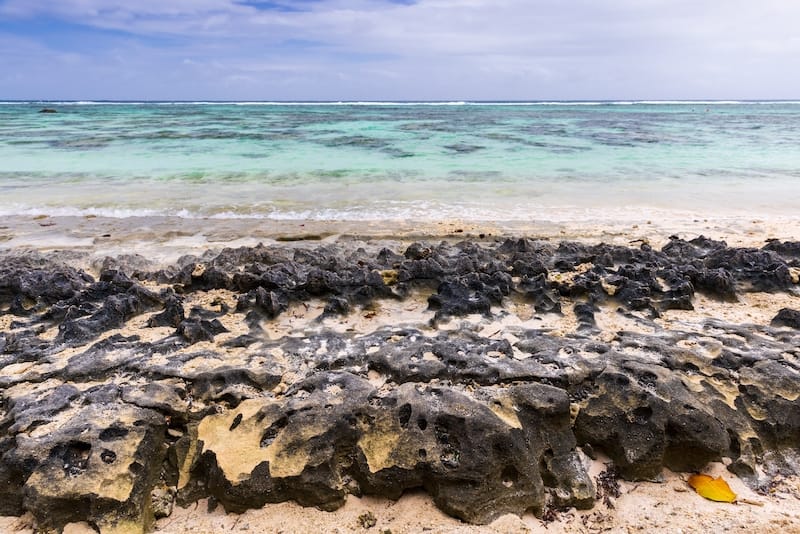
[
  {"x": 570, "y": 275},
  {"x": 185, "y": 467},
  {"x": 5, "y": 321},
  {"x": 505, "y": 410},
  {"x": 727, "y": 390},
  {"x": 389, "y": 277},
  {"x": 78, "y": 528},
  {"x": 289, "y": 454},
  {"x": 379, "y": 442},
  {"x": 239, "y": 451},
  {"x": 757, "y": 412},
  {"x": 574, "y": 410},
  {"x": 794, "y": 273},
  {"x": 112, "y": 481},
  {"x": 17, "y": 368},
  {"x": 610, "y": 289}
]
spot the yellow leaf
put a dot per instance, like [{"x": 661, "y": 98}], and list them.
[{"x": 713, "y": 489}]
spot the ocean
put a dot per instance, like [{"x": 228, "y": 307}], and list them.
[{"x": 399, "y": 160}]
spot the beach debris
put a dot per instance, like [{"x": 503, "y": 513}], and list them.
[
  {"x": 549, "y": 515},
  {"x": 713, "y": 489},
  {"x": 608, "y": 486},
  {"x": 367, "y": 520},
  {"x": 301, "y": 237}
]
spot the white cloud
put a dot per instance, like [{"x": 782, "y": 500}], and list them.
[{"x": 439, "y": 48}]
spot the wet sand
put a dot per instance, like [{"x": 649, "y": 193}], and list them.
[{"x": 165, "y": 238}]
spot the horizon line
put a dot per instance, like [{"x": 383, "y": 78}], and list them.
[{"x": 395, "y": 101}]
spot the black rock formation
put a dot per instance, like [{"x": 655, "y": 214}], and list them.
[{"x": 248, "y": 375}]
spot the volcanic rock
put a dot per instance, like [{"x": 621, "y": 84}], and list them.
[{"x": 477, "y": 371}]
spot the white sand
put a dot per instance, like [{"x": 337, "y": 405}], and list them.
[{"x": 163, "y": 239}]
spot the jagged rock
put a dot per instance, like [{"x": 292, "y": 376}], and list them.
[
  {"x": 537, "y": 290},
  {"x": 233, "y": 384},
  {"x": 478, "y": 461},
  {"x": 420, "y": 269},
  {"x": 698, "y": 247},
  {"x": 716, "y": 282},
  {"x": 485, "y": 413},
  {"x": 585, "y": 314},
  {"x": 116, "y": 310},
  {"x": 790, "y": 249},
  {"x": 196, "y": 330},
  {"x": 628, "y": 417},
  {"x": 458, "y": 298},
  {"x": 165, "y": 396},
  {"x": 103, "y": 357},
  {"x": 409, "y": 356},
  {"x": 336, "y": 306},
  {"x": 11, "y": 479},
  {"x": 38, "y": 280},
  {"x": 787, "y": 317},
  {"x": 163, "y": 500},
  {"x": 270, "y": 303},
  {"x": 761, "y": 270},
  {"x": 173, "y": 314},
  {"x": 204, "y": 277},
  {"x": 93, "y": 463},
  {"x": 417, "y": 251}
]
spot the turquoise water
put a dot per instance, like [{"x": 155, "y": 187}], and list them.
[{"x": 398, "y": 160}]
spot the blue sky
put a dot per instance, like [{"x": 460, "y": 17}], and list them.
[{"x": 398, "y": 49}]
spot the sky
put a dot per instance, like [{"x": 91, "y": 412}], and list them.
[{"x": 399, "y": 49}]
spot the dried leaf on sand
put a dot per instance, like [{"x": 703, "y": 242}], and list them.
[{"x": 713, "y": 489}]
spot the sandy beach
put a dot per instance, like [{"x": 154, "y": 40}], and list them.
[{"x": 166, "y": 238}]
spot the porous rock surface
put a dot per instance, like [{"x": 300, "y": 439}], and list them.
[{"x": 248, "y": 375}]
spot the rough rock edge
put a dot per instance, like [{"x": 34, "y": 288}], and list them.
[{"x": 486, "y": 427}]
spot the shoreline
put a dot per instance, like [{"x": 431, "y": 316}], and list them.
[
  {"x": 167, "y": 237},
  {"x": 692, "y": 336}
]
